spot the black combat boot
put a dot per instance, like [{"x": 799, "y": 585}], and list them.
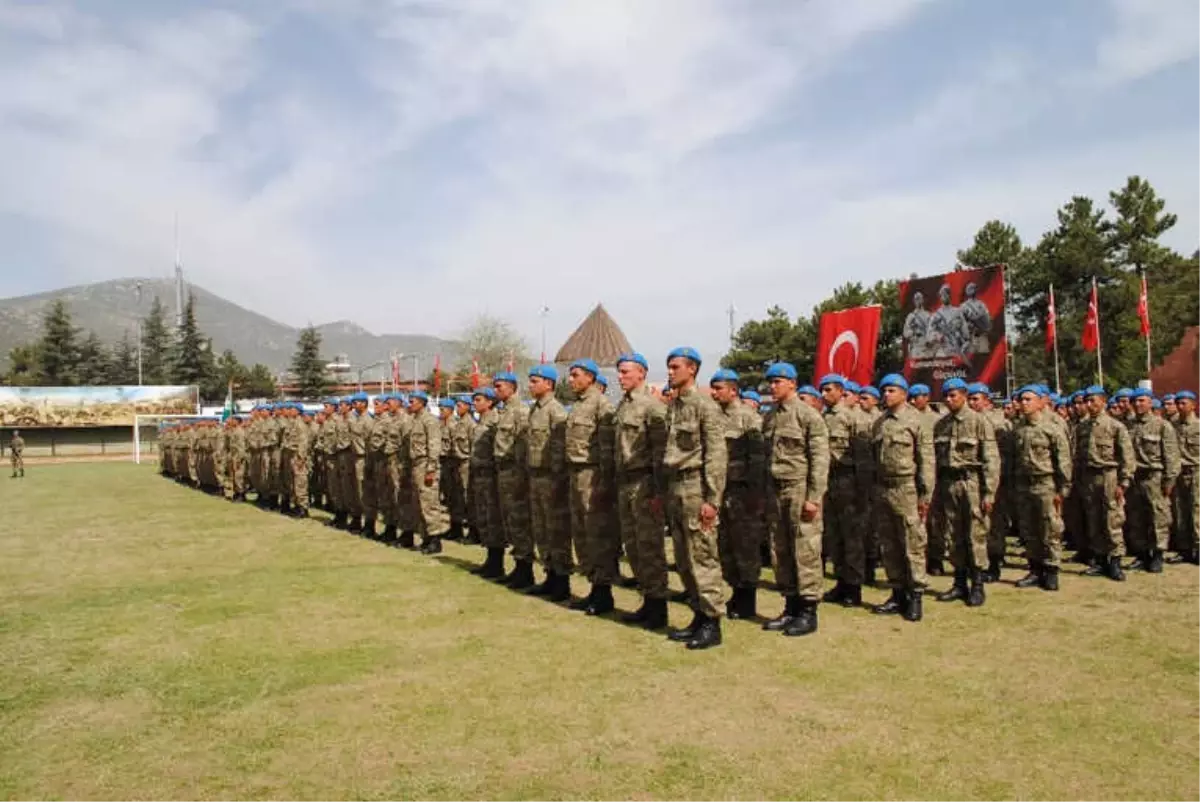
[
  {"x": 338, "y": 521},
  {"x": 602, "y": 601},
  {"x": 976, "y": 596},
  {"x": 561, "y": 591},
  {"x": 834, "y": 594},
  {"x": 708, "y": 635},
  {"x": 493, "y": 566},
  {"x": 1032, "y": 579},
  {"x": 687, "y": 633},
  {"x": 1114, "y": 570},
  {"x": 656, "y": 614},
  {"x": 934, "y": 567},
  {"x": 1155, "y": 564},
  {"x": 1140, "y": 561},
  {"x": 432, "y": 545},
  {"x": 892, "y": 606},
  {"x": 791, "y": 608},
  {"x": 299, "y": 513},
  {"x": 747, "y": 606},
  {"x": 852, "y": 597},
  {"x": 545, "y": 588},
  {"x": 957, "y": 591},
  {"x": 407, "y": 539},
  {"x": 285, "y": 507},
  {"x": 521, "y": 576},
  {"x": 455, "y": 531},
  {"x": 1050, "y": 578},
  {"x": 369, "y": 530},
  {"x": 586, "y": 601},
  {"x": 805, "y": 621},
  {"x": 912, "y": 606},
  {"x": 355, "y": 525},
  {"x": 389, "y": 535}
]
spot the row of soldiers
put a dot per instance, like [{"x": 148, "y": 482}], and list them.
[{"x": 826, "y": 473}]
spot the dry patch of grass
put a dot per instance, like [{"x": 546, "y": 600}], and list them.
[{"x": 160, "y": 643}]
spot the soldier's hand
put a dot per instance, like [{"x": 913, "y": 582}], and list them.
[
  {"x": 1120, "y": 494},
  {"x": 708, "y": 514},
  {"x": 429, "y": 477},
  {"x": 922, "y": 510},
  {"x": 1058, "y": 503},
  {"x": 986, "y": 507},
  {"x": 1169, "y": 490},
  {"x": 809, "y": 511}
]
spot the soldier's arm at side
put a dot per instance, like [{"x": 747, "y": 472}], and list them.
[
  {"x": 926, "y": 464},
  {"x": 817, "y": 444},
  {"x": 716, "y": 453},
  {"x": 991, "y": 460},
  {"x": 656, "y": 431},
  {"x": 1171, "y": 459}
]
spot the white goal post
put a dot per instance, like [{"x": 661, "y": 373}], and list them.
[{"x": 156, "y": 420}]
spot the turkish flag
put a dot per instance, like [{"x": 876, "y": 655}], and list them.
[
  {"x": 1051, "y": 322},
  {"x": 476, "y": 380},
  {"x": 846, "y": 343},
  {"x": 1091, "y": 325},
  {"x": 1144, "y": 309}
]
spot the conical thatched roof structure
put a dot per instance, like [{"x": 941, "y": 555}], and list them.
[{"x": 598, "y": 337}]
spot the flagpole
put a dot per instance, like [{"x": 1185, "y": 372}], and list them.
[
  {"x": 1057, "y": 375},
  {"x": 1099, "y": 359},
  {"x": 1146, "y": 296}
]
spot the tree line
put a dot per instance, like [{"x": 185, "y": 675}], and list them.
[
  {"x": 1116, "y": 246},
  {"x": 66, "y": 356}
]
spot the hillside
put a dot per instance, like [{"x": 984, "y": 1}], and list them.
[{"x": 110, "y": 308}]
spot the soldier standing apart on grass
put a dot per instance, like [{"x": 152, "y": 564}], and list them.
[
  {"x": 1156, "y": 448},
  {"x": 1042, "y": 473},
  {"x": 16, "y": 455},
  {"x": 1186, "y": 497},
  {"x": 589, "y": 465},
  {"x": 1103, "y": 468},
  {"x": 904, "y": 466},
  {"x": 847, "y": 492},
  {"x": 694, "y": 464},
  {"x": 968, "y": 467},
  {"x": 797, "y": 465},
  {"x": 549, "y": 513},
  {"x": 512, "y": 482},
  {"x": 424, "y": 455},
  {"x": 483, "y": 484},
  {"x": 640, "y": 432}
]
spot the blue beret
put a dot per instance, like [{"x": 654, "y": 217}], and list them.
[
  {"x": 462, "y": 399},
  {"x": 446, "y": 403},
  {"x": 1156, "y": 404},
  {"x": 724, "y": 375},
  {"x": 634, "y": 357},
  {"x": 1095, "y": 389},
  {"x": 978, "y": 388},
  {"x": 954, "y": 384},
  {"x": 871, "y": 391},
  {"x": 1124, "y": 392},
  {"x": 1055, "y": 397},
  {"x": 332, "y": 402},
  {"x": 602, "y": 380},
  {"x": 505, "y": 376},
  {"x": 751, "y": 395},
  {"x": 486, "y": 392},
  {"x": 808, "y": 389},
  {"x": 1185, "y": 395},
  {"x": 918, "y": 389},
  {"x": 782, "y": 370},
  {"x": 1169, "y": 397},
  {"x": 1142, "y": 392},
  {"x": 546, "y": 372},
  {"x": 685, "y": 351},
  {"x": 357, "y": 397},
  {"x": 587, "y": 364},
  {"x": 1030, "y": 388},
  {"x": 893, "y": 380},
  {"x": 832, "y": 378},
  {"x": 419, "y": 395},
  {"x": 853, "y": 386}
]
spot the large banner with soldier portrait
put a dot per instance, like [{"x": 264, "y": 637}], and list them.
[
  {"x": 38, "y": 407},
  {"x": 954, "y": 326}
]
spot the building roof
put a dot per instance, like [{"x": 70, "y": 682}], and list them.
[{"x": 598, "y": 337}]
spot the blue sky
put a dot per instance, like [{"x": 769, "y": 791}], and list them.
[{"x": 411, "y": 164}]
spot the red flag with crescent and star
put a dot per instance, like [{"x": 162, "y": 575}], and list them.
[
  {"x": 1091, "y": 324},
  {"x": 846, "y": 343}
]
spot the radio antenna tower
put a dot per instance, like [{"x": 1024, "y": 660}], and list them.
[{"x": 178, "y": 279}]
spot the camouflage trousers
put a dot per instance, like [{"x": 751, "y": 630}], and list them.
[
  {"x": 1095, "y": 495},
  {"x": 237, "y": 474},
  {"x": 297, "y": 478},
  {"x": 740, "y": 535},
  {"x": 1001, "y": 522},
  {"x": 937, "y": 539},
  {"x": 487, "y": 508},
  {"x": 642, "y": 533},
  {"x": 266, "y": 486},
  {"x": 193, "y": 466},
  {"x": 425, "y": 500},
  {"x": 1039, "y": 522},
  {"x": 590, "y": 524},
  {"x": 254, "y": 470},
  {"x": 455, "y": 474},
  {"x": 375, "y": 491},
  {"x": 550, "y": 520},
  {"x": 350, "y": 476},
  {"x": 275, "y": 471},
  {"x": 959, "y": 508},
  {"x": 512, "y": 488},
  {"x": 1149, "y": 512},
  {"x": 902, "y": 533},
  {"x": 1187, "y": 523},
  {"x": 697, "y": 555},
  {"x": 845, "y": 536},
  {"x": 796, "y": 543}
]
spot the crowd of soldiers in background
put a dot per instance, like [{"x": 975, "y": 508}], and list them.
[{"x": 799, "y": 477}]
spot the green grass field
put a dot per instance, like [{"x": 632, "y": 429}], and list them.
[{"x": 160, "y": 643}]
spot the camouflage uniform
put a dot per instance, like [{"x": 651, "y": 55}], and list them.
[
  {"x": 424, "y": 452},
  {"x": 1156, "y": 448},
  {"x": 376, "y": 491},
  {"x": 936, "y": 549},
  {"x": 358, "y": 426},
  {"x": 1104, "y": 461},
  {"x": 236, "y": 450},
  {"x": 639, "y": 439},
  {"x": 461, "y": 431},
  {"x": 275, "y": 456},
  {"x": 589, "y": 463},
  {"x": 343, "y": 461},
  {"x": 850, "y": 471},
  {"x": 968, "y": 467},
  {"x": 904, "y": 464},
  {"x": 740, "y": 536},
  {"x": 296, "y": 442},
  {"x": 549, "y": 512},
  {"x": 16, "y": 454},
  {"x": 694, "y": 463},
  {"x": 483, "y": 483},
  {"x": 1001, "y": 522},
  {"x": 1042, "y": 471},
  {"x": 1186, "y": 497},
  {"x": 388, "y": 475},
  {"x": 512, "y": 485}
]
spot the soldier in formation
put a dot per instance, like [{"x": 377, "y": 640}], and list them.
[{"x": 16, "y": 455}]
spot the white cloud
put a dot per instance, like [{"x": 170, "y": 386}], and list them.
[{"x": 1148, "y": 37}]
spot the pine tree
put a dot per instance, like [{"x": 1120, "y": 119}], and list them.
[
  {"x": 260, "y": 383},
  {"x": 93, "y": 361},
  {"x": 231, "y": 371},
  {"x": 122, "y": 366},
  {"x": 187, "y": 357},
  {"x": 308, "y": 367},
  {"x": 156, "y": 346},
  {"x": 58, "y": 351},
  {"x": 23, "y": 368}
]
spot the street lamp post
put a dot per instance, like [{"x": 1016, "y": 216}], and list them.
[{"x": 543, "y": 314}]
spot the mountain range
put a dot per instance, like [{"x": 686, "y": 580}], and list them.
[{"x": 112, "y": 308}]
